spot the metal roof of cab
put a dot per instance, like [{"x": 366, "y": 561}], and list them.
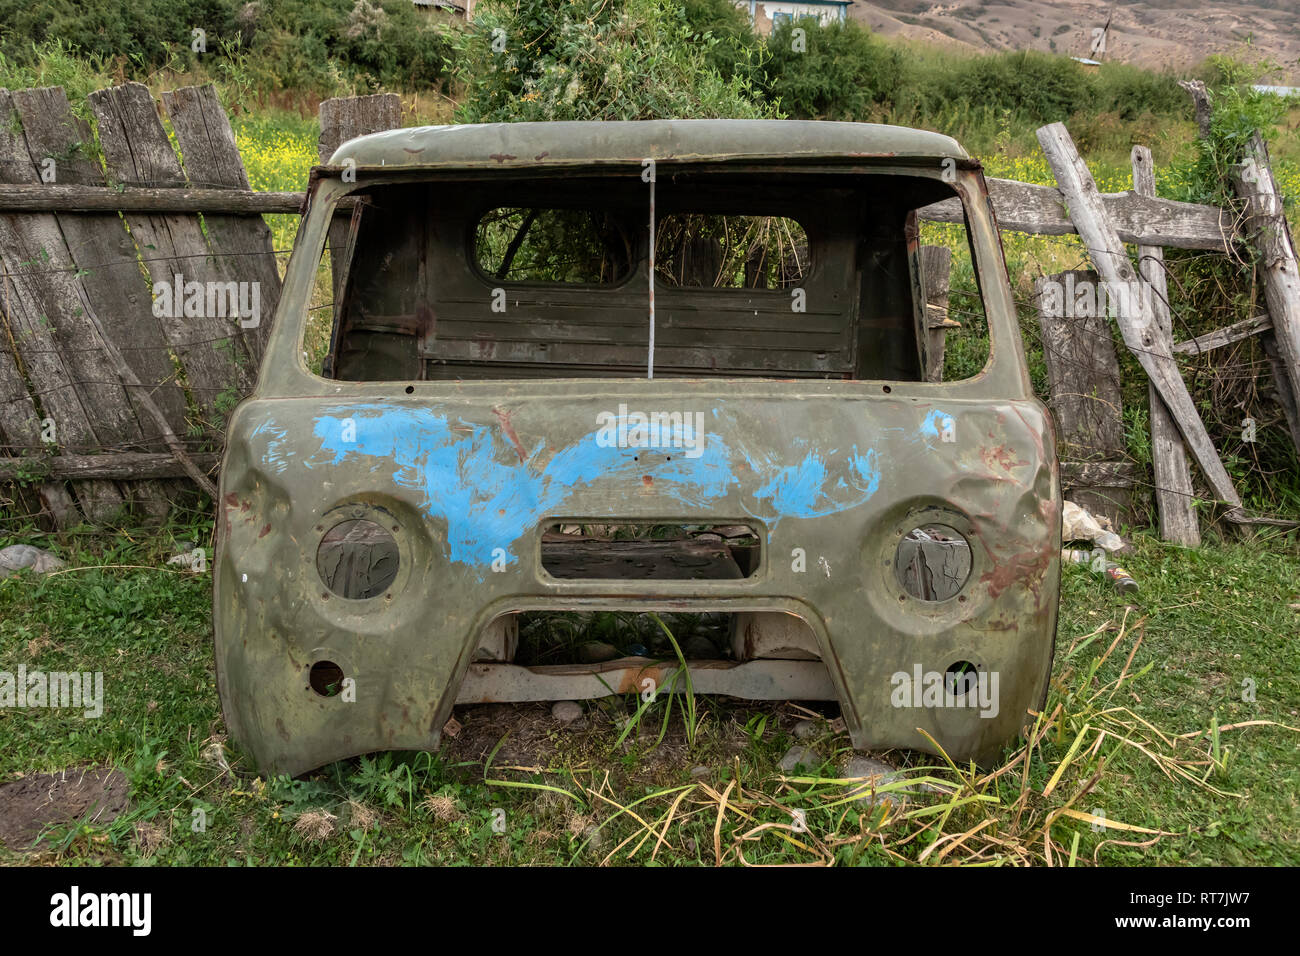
[{"x": 622, "y": 141}]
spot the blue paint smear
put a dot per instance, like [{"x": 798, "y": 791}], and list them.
[
  {"x": 274, "y": 459},
  {"x": 933, "y": 422},
  {"x": 467, "y": 474}
]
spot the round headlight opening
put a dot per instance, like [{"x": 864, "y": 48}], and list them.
[
  {"x": 357, "y": 559},
  {"x": 933, "y": 562}
]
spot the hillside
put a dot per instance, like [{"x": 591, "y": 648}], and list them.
[{"x": 1153, "y": 33}]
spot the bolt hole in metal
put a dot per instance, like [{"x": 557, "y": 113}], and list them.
[
  {"x": 357, "y": 559},
  {"x": 326, "y": 678},
  {"x": 410, "y": 389},
  {"x": 933, "y": 563}
]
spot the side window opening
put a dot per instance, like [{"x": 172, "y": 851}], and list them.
[{"x": 808, "y": 276}]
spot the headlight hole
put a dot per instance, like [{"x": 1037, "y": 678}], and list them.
[
  {"x": 933, "y": 562},
  {"x": 357, "y": 559}
]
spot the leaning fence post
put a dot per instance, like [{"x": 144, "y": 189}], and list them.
[
  {"x": 1173, "y": 477},
  {"x": 1267, "y": 229}
]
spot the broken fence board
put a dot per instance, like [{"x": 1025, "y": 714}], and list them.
[
  {"x": 1224, "y": 336},
  {"x": 1083, "y": 379}
]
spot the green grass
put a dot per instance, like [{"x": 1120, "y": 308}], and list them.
[{"x": 1207, "y": 621}]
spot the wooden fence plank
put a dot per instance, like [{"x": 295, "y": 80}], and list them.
[
  {"x": 123, "y": 465},
  {"x": 211, "y": 158},
  {"x": 1173, "y": 477},
  {"x": 217, "y": 365},
  {"x": 1224, "y": 336},
  {"x": 1038, "y": 210},
  {"x": 82, "y": 199},
  {"x": 65, "y": 366},
  {"x": 1137, "y": 324},
  {"x": 936, "y": 267},
  {"x": 1083, "y": 377},
  {"x": 107, "y": 270},
  {"x": 340, "y": 120},
  {"x": 1020, "y": 207},
  {"x": 20, "y": 426}
]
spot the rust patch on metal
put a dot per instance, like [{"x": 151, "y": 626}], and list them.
[
  {"x": 1026, "y": 566},
  {"x": 1003, "y": 456},
  {"x": 502, "y": 157}
]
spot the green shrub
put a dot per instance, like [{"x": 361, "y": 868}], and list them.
[
  {"x": 1038, "y": 87},
  {"x": 146, "y": 33},
  {"x": 839, "y": 71},
  {"x": 553, "y": 60}
]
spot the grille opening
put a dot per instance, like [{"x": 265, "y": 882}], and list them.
[
  {"x": 569, "y": 655},
  {"x": 654, "y": 552},
  {"x": 571, "y": 637}
]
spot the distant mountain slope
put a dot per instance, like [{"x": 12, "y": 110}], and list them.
[{"x": 1151, "y": 33}]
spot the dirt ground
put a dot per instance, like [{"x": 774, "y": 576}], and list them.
[{"x": 28, "y": 805}]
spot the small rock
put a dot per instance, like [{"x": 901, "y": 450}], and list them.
[
  {"x": 700, "y": 772},
  {"x": 798, "y": 756},
  {"x": 594, "y": 652},
  {"x": 19, "y": 556},
  {"x": 805, "y": 730},
  {"x": 876, "y": 773},
  {"x": 566, "y": 711},
  {"x": 699, "y": 648},
  {"x": 594, "y": 836}
]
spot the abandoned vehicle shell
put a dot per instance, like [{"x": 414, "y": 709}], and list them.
[{"x": 385, "y": 513}]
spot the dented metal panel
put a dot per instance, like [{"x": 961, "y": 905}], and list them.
[{"x": 467, "y": 476}]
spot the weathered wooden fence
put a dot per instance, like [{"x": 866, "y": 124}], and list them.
[{"x": 113, "y": 393}]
